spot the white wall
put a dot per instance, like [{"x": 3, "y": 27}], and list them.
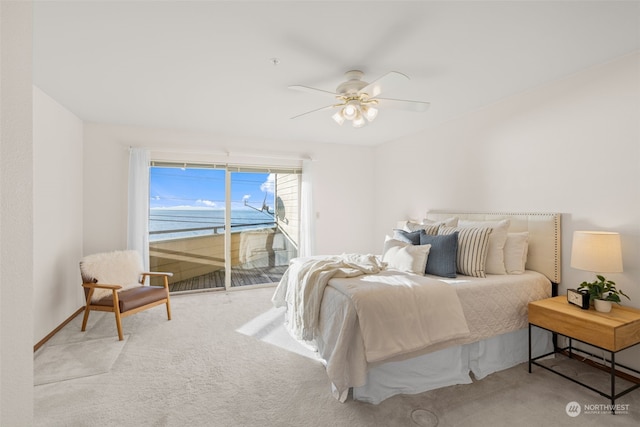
[
  {"x": 57, "y": 213},
  {"x": 16, "y": 214},
  {"x": 571, "y": 147},
  {"x": 343, "y": 191}
]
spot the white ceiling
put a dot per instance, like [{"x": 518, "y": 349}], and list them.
[{"x": 207, "y": 66}]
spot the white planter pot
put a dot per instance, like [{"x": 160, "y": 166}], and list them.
[{"x": 602, "y": 305}]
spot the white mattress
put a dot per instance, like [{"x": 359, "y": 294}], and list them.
[{"x": 493, "y": 306}]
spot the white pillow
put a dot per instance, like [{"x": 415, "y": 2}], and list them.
[
  {"x": 389, "y": 242},
  {"x": 515, "y": 252},
  {"x": 497, "y": 239},
  {"x": 405, "y": 256}
]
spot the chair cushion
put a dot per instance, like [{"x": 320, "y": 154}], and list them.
[{"x": 134, "y": 297}]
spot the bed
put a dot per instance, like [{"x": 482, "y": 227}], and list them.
[{"x": 427, "y": 331}]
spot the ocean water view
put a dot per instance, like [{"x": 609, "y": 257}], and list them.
[{"x": 166, "y": 224}]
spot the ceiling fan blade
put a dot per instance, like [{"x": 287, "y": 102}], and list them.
[
  {"x": 313, "y": 111},
  {"x": 308, "y": 89},
  {"x": 386, "y": 82},
  {"x": 403, "y": 104}
]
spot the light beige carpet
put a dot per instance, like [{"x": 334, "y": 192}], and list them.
[{"x": 224, "y": 360}]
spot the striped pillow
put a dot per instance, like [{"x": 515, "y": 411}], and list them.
[
  {"x": 497, "y": 240},
  {"x": 473, "y": 244}
]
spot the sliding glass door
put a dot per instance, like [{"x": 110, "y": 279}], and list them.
[
  {"x": 217, "y": 227},
  {"x": 260, "y": 246},
  {"x": 187, "y": 225}
]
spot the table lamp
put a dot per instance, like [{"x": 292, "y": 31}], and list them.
[{"x": 598, "y": 252}]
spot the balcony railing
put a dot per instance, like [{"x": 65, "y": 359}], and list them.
[
  {"x": 215, "y": 229},
  {"x": 257, "y": 250}
]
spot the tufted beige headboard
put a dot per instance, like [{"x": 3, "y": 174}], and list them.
[{"x": 544, "y": 236}]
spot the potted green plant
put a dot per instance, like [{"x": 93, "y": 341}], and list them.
[{"x": 602, "y": 293}]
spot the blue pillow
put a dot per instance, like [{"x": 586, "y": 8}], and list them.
[
  {"x": 443, "y": 254},
  {"x": 412, "y": 237}
]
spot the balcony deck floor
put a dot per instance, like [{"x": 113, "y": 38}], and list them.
[{"x": 239, "y": 277}]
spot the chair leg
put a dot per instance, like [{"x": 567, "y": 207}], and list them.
[
  {"x": 87, "y": 310},
  {"x": 166, "y": 288},
  {"x": 85, "y": 318},
  {"x": 116, "y": 310},
  {"x": 119, "y": 325}
]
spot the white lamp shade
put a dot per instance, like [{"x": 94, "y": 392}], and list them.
[
  {"x": 350, "y": 111},
  {"x": 370, "y": 113},
  {"x": 358, "y": 122},
  {"x": 338, "y": 117},
  {"x": 596, "y": 251}
]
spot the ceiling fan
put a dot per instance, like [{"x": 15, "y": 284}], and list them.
[{"x": 358, "y": 100}]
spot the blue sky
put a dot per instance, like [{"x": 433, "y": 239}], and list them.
[{"x": 205, "y": 188}]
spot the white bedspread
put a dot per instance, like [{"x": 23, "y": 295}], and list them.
[
  {"x": 403, "y": 313},
  {"x": 491, "y": 306},
  {"x": 398, "y": 313}
]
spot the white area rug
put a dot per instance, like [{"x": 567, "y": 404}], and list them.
[{"x": 63, "y": 362}]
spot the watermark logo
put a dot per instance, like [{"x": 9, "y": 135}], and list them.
[
  {"x": 599, "y": 408},
  {"x": 573, "y": 409}
]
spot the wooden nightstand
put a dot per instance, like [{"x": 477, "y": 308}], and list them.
[{"x": 613, "y": 332}]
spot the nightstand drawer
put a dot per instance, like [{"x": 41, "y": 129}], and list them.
[{"x": 612, "y": 331}]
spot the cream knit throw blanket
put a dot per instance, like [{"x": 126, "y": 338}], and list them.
[{"x": 122, "y": 268}]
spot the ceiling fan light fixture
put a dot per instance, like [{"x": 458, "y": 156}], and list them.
[
  {"x": 351, "y": 110},
  {"x": 357, "y": 100},
  {"x": 338, "y": 117},
  {"x": 370, "y": 112},
  {"x": 359, "y": 121}
]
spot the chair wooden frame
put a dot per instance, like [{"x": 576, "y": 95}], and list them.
[{"x": 115, "y": 308}]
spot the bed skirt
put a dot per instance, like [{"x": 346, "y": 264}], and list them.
[{"x": 452, "y": 365}]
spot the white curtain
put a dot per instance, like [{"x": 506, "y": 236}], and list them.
[
  {"x": 307, "y": 213},
  {"x": 138, "y": 212}
]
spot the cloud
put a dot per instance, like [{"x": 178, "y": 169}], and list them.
[
  {"x": 269, "y": 185},
  {"x": 246, "y": 197},
  {"x": 207, "y": 203}
]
